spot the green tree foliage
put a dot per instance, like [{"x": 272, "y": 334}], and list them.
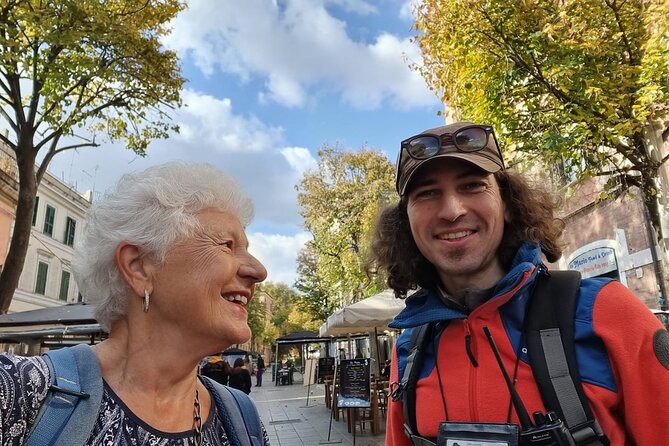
[
  {"x": 74, "y": 70},
  {"x": 71, "y": 70},
  {"x": 579, "y": 82},
  {"x": 314, "y": 297},
  {"x": 339, "y": 203},
  {"x": 283, "y": 298},
  {"x": 256, "y": 319}
]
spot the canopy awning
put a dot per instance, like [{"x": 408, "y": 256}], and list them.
[
  {"x": 72, "y": 314},
  {"x": 52, "y": 324},
  {"x": 301, "y": 337},
  {"x": 367, "y": 315}
]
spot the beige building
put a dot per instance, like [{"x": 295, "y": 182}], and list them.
[{"x": 46, "y": 279}]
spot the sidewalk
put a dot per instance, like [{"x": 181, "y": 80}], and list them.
[{"x": 290, "y": 422}]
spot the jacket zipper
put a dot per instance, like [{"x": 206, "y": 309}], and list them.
[{"x": 473, "y": 371}]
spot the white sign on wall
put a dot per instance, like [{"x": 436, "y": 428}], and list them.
[{"x": 595, "y": 262}]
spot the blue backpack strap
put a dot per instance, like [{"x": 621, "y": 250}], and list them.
[
  {"x": 238, "y": 413},
  {"x": 71, "y": 407}
]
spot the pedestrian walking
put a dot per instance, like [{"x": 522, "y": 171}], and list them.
[{"x": 260, "y": 365}]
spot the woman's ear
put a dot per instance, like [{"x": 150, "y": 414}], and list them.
[{"x": 135, "y": 267}]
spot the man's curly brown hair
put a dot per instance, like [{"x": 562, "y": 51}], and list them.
[{"x": 532, "y": 212}]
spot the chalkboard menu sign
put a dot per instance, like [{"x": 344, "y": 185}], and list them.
[
  {"x": 354, "y": 383},
  {"x": 325, "y": 368}
]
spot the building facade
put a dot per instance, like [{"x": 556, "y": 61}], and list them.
[
  {"x": 614, "y": 238},
  {"x": 46, "y": 279}
]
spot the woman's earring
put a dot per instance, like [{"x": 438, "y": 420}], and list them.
[{"x": 146, "y": 301}]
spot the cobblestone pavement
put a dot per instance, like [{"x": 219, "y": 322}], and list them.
[{"x": 290, "y": 421}]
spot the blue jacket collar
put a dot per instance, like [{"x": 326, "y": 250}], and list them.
[{"x": 426, "y": 306}]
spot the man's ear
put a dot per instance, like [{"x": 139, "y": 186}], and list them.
[{"x": 135, "y": 267}]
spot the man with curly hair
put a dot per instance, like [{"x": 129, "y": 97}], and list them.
[{"x": 473, "y": 237}]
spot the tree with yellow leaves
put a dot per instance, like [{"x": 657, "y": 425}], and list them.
[{"x": 584, "y": 83}]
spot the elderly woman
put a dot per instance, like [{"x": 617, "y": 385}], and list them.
[{"x": 164, "y": 260}]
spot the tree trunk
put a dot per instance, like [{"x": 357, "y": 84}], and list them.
[
  {"x": 11, "y": 272},
  {"x": 652, "y": 204}
]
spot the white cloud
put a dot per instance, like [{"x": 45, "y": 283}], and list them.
[
  {"x": 278, "y": 253},
  {"x": 300, "y": 159},
  {"x": 407, "y": 8},
  {"x": 243, "y": 146},
  {"x": 211, "y": 121},
  {"x": 299, "y": 49}
]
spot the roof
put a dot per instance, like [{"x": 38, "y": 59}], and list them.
[
  {"x": 301, "y": 337},
  {"x": 74, "y": 320},
  {"x": 72, "y": 314}
]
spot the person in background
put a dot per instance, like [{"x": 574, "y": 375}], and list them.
[
  {"x": 473, "y": 236},
  {"x": 163, "y": 258},
  {"x": 247, "y": 363},
  {"x": 239, "y": 377},
  {"x": 261, "y": 369},
  {"x": 218, "y": 369}
]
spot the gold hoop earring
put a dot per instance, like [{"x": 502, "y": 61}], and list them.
[{"x": 145, "y": 304}]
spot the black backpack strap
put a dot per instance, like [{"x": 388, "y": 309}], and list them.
[
  {"x": 406, "y": 390},
  {"x": 549, "y": 329}
]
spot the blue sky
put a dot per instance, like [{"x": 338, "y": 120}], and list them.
[{"x": 269, "y": 83}]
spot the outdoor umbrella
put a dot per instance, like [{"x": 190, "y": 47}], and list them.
[{"x": 368, "y": 315}]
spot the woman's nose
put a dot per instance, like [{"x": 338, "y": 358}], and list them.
[{"x": 252, "y": 268}]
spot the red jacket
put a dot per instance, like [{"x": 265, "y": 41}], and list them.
[{"x": 619, "y": 346}]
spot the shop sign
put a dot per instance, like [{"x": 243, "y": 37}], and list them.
[{"x": 595, "y": 262}]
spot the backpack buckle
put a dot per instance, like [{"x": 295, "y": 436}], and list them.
[
  {"x": 396, "y": 390},
  {"x": 82, "y": 395},
  {"x": 589, "y": 434}
]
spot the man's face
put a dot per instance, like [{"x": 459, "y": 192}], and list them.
[{"x": 457, "y": 216}]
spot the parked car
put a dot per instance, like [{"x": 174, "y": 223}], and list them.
[{"x": 663, "y": 316}]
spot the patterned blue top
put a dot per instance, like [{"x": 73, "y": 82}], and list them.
[{"x": 24, "y": 385}]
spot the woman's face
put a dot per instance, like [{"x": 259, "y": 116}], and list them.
[{"x": 203, "y": 288}]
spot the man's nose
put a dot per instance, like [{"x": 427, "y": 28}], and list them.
[{"x": 452, "y": 207}]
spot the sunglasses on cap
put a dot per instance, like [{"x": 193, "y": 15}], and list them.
[
  {"x": 469, "y": 142},
  {"x": 468, "y": 139}
]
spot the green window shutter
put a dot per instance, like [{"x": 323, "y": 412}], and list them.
[
  {"x": 40, "y": 283},
  {"x": 49, "y": 217},
  {"x": 70, "y": 228},
  {"x": 64, "y": 285},
  {"x": 35, "y": 210}
]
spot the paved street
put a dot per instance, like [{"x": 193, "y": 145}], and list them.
[{"x": 291, "y": 422}]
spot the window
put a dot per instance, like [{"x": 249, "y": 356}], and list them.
[
  {"x": 49, "y": 217},
  {"x": 70, "y": 226},
  {"x": 35, "y": 210},
  {"x": 40, "y": 283},
  {"x": 64, "y": 285}
]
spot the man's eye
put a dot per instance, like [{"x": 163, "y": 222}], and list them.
[
  {"x": 474, "y": 186},
  {"x": 426, "y": 193},
  {"x": 227, "y": 244}
]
